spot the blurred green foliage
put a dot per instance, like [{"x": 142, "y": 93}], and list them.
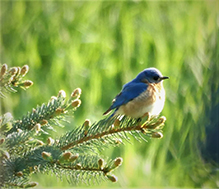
[{"x": 99, "y": 46}]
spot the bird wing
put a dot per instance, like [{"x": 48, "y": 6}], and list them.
[{"x": 129, "y": 92}]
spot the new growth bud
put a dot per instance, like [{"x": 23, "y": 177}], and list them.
[
  {"x": 68, "y": 156},
  {"x": 161, "y": 120},
  {"x": 112, "y": 178},
  {"x": 37, "y": 127},
  {"x": 116, "y": 123},
  {"x": 76, "y": 103},
  {"x": 118, "y": 162},
  {"x": 47, "y": 156},
  {"x": 53, "y": 98},
  {"x": 87, "y": 124},
  {"x": 74, "y": 157},
  {"x": 76, "y": 93},
  {"x": 18, "y": 71},
  {"x": 157, "y": 135},
  {"x": 61, "y": 94},
  {"x": 26, "y": 84},
  {"x": 59, "y": 111},
  {"x": 43, "y": 122},
  {"x": 101, "y": 164},
  {"x": 19, "y": 174},
  {"x": 78, "y": 166},
  {"x": 13, "y": 71},
  {"x": 39, "y": 142},
  {"x": 50, "y": 141},
  {"x": 148, "y": 115},
  {"x": 24, "y": 70},
  {"x": 3, "y": 70}
]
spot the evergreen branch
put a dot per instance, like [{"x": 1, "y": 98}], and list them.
[
  {"x": 15, "y": 141},
  {"x": 107, "y": 128},
  {"x": 50, "y": 114},
  {"x": 21, "y": 185},
  {"x": 76, "y": 154},
  {"x": 21, "y": 132},
  {"x": 13, "y": 77},
  {"x": 86, "y": 166},
  {"x": 50, "y": 158}
]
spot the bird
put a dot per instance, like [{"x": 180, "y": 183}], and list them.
[{"x": 144, "y": 94}]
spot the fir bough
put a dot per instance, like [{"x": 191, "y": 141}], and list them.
[
  {"x": 75, "y": 155},
  {"x": 11, "y": 78}
]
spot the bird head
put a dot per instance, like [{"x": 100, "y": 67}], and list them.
[{"x": 150, "y": 75}]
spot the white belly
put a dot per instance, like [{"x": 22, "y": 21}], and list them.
[
  {"x": 156, "y": 107},
  {"x": 143, "y": 104}
]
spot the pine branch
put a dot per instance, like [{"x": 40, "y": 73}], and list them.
[
  {"x": 22, "y": 132},
  {"x": 69, "y": 155},
  {"x": 114, "y": 128},
  {"x": 49, "y": 158},
  {"x": 12, "y": 78},
  {"x": 76, "y": 154},
  {"x": 51, "y": 114}
]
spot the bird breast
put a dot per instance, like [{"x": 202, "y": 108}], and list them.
[{"x": 151, "y": 100}]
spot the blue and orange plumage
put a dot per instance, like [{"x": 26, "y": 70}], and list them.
[{"x": 143, "y": 94}]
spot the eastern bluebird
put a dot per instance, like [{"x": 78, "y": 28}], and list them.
[{"x": 143, "y": 94}]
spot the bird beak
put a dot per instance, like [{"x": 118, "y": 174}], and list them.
[{"x": 164, "y": 77}]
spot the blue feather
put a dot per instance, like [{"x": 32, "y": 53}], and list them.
[{"x": 130, "y": 91}]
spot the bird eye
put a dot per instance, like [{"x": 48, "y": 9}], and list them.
[{"x": 156, "y": 78}]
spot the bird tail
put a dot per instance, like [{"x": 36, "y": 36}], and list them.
[{"x": 107, "y": 112}]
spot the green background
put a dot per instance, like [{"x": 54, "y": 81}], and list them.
[{"x": 99, "y": 46}]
